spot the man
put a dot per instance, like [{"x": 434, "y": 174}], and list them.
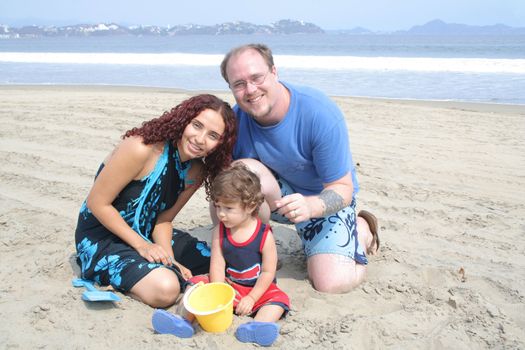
[{"x": 296, "y": 140}]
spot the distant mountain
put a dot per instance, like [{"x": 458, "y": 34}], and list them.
[
  {"x": 438, "y": 27},
  {"x": 285, "y": 26}
]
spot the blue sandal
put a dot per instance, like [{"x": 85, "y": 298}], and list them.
[
  {"x": 262, "y": 333},
  {"x": 166, "y": 323}
]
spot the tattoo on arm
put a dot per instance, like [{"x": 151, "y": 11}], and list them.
[{"x": 333, "y": 202}]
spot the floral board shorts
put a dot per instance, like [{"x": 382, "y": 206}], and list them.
[{"x": 332, "y": 234}]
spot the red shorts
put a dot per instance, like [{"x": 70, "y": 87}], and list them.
[{"x": 272, "y": 296}]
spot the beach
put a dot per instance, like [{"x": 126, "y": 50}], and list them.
[{"x": 445, "y": 179}]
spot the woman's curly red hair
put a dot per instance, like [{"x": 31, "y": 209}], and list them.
[{"x": 170, "y": 126}]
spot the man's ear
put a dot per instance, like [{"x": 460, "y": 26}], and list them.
[{"x": 274, "y": 71}]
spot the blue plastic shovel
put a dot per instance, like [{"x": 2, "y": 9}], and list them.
[{"x": 92, "y": 293}]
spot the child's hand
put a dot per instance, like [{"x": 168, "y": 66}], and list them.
[
  {"x": 245, "y": 306},
  {"x": 186, "y": 273}
]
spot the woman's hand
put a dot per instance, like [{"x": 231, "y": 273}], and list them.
[
  {"x": 154, "y": 253},
  {"x": 245, "y": 306}
]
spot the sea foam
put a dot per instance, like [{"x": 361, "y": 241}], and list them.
[{"x": 349, "y": 63}]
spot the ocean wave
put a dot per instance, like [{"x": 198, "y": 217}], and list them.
[{"x": 349, "y": 63}]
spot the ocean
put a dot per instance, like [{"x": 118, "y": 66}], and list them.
[{"x": 454, "y": 68}]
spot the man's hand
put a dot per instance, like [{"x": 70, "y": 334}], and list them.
[{"x": 295, "y": 207}]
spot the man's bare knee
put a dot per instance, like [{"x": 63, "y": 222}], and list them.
[
  {"x": 332, "y": 273},
  {"x": 330, "y": 286}
]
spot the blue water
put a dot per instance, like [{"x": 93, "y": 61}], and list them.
[{"x": 465, "y": 68}]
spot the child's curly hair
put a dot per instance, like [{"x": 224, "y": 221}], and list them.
[{"x": 238, "y": 184}]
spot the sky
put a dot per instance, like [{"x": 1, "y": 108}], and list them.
[{"x": 376, "y": 15}]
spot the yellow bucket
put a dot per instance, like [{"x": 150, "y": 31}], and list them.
[{"x": 212, "y": 305}]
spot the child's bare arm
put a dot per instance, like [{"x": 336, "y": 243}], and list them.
[{"x": 217, "y": 263}]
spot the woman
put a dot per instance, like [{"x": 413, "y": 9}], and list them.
[{"x": 124, "y": 235}]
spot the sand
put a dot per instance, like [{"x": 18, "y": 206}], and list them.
[{"x": 446, "y": 180}]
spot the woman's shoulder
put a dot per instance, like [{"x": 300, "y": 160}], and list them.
[
  {"x": 135, "y": 146},
  {"x": 135, "y": 153}
]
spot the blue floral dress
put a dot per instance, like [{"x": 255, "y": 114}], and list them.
[{"x": 106, "y": 259}]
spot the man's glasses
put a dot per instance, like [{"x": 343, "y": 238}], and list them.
[{"x": 256, "y": 80}]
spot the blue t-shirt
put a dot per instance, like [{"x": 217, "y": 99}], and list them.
[{"x": 309, "y": 147}]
